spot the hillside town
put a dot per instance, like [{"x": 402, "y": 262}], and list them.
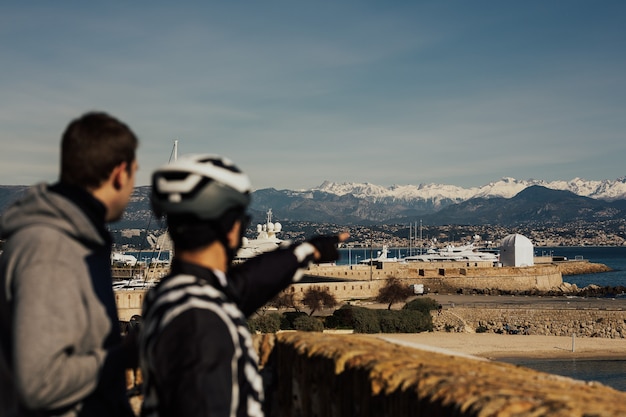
[
  {"x": 407, "y": 236},
  {"x": 411, "y": 236}
]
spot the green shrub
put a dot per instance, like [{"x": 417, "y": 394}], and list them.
[
  {"x": 366, "y": 321},
  {"x": 288, "y": 318},
  {"x": 267, "y": 323},
  {"x": 390, "y": 321},
  {"x": 362, "y": 320},
  {"x": 404, "y": 321},
  {"x": 425, "y": 305},
  {"x": 332, "y": 322},
  {"x": 481, "y": 329},
  {"x": 308, "y": 324},
  {"x": 342, "y": 317}
]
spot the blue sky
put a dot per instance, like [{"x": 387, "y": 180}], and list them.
[{"x": 295, "y": 92}]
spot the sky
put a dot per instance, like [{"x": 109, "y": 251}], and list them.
[{"x": 299, "y": 92}]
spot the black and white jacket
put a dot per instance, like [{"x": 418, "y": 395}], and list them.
[{"x": 197, "y": 353}]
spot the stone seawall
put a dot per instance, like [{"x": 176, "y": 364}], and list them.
[
  {"x": 549, "y": 322},
  {"x": 317, "y": 374},
  {"x": 449, "y": 276}
]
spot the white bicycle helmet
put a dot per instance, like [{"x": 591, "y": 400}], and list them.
[{"x": 204, "y": 185}]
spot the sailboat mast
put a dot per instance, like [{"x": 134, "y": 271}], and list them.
[
  {"x": 174, "y": 154},
  {"x": 421, "y": 238}
]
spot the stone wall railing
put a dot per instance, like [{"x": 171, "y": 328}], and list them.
[{"x": 317, "y": 374}]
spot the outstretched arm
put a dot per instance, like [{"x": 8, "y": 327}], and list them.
[{"x": 262, "y": 277}]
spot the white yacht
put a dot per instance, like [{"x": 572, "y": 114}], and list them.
[
  {"x": 122, "y": 259},
  {"x": 455, "y": 253},
  {"x": 133, "y": 284},
  {"x": 266, "y": 240}
]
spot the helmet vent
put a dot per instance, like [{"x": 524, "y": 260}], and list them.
[{"x": 219, "y": 162}]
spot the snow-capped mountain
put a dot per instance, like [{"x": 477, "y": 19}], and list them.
[
  {"x": 501, "y": 202},
  {"x": 353, "y": 203},
  {"x": 506, "y": 187}
]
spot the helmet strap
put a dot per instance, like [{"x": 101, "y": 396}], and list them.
[{"x": 244, "y": 220}]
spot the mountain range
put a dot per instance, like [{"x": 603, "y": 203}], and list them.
[
  {"x": 505, "y": 202},
  {"x": 506, "y": 187}
]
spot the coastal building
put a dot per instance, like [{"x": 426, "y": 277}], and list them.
[{"x": 517, "y": 250}]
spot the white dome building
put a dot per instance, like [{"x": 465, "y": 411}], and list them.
[{"x": 517, "y": 250}]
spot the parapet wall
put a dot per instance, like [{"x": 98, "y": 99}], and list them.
[{"x": 328, "y": 375}]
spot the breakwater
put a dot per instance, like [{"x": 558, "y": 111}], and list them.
[{"x": 581, "y": 267}]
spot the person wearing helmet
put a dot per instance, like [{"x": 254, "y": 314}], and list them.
[{"x": 196, "y": 350}]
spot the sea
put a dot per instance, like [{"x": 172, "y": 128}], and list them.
[{"x": 608, "y": 372}]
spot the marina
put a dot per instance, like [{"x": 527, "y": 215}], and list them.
[{"x": 153, "y": 265}]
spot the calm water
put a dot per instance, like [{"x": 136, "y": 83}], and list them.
[
  {"x": 614, "y": 257},
  {"x": 608, "y": 372}
]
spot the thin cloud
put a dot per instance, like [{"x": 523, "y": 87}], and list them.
[{"x": 301, "y": 93}]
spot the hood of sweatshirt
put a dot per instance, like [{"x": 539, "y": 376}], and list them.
[{"x": 40, "y": 206}]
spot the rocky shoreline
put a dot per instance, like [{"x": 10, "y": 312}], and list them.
[{"x": 566, "y": 268}]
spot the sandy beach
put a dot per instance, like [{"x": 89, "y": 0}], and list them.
[{"x": 494, "y": 346}]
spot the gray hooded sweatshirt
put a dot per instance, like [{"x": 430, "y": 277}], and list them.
[{"x": 60, "y": 351}]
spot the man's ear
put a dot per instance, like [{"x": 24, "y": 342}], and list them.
[{"x": 119, "y": 176}]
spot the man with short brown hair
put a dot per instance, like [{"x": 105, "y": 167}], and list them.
[{"x": 61, "y": 353}]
